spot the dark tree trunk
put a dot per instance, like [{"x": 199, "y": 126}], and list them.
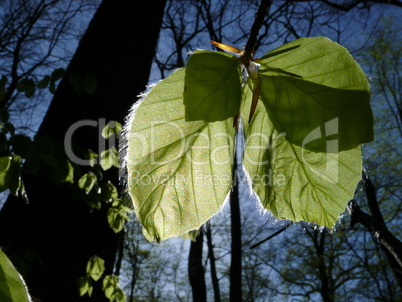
[
  {"x": 326, "y": 289},
  {"x": 211, "y": 256},
  {"x": 236, "y": 246},
  {"x": 56, "y": 226},
  {"x": 196, "y": 270}
]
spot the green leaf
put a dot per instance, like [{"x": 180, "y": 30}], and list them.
[
  {"x": 85, "y": 286},
  {"x": 14, "y": 174},
  {"x": 297, "y": 108},
  {"x": 57, "y": 74},
  {"x": 75, "y": 81},
  {"x": 52, "y": 87},
  {"x": 69, "y": 176},
  {"x": 64, "y": 172},
  {"x": 120, "y": 296},
  {"x": 109, "y": 192},
  {"x": 44, "y": 83},
  {"x": 80, "y": 83},
  {"x": 90, "y": 84},
  {"x": 109, "y": 158},
  {"x": 212, "y": 86},
  {"x": 10, "y": 170},
  {"x": 332, "y": 85},
  {"x": 12, "y": 286},
  {"x": 4, "y": 167},
  {"x": 112, "y": 290},
  {"x": 93, "y": 158},
  {"x": 112, "y": 128},
  {"x": 116, "y": 219},
  {"x": 28, "y": 86},
  {"x": 295, "y": 183},
  {"x": 95, "y": 267},
  {"x": 179, "y": 172},
  {"x": 87, "y": 181}
]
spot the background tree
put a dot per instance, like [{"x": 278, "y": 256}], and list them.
[{"x": 105, "y": 75}]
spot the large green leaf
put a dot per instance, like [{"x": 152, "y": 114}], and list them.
[
  {"x": 12, "y": 286},
  {"x": 296, "y": 183},
  {"x": 179, "y": 172},
  {"x": 332, "y": 85},
  {"x": 212, "y": 86}
]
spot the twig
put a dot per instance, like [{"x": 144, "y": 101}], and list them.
[
  {"x": 379, "y": 231},
  {"x": 272, "y": 236},
  {"x": 258, "y": 21}
]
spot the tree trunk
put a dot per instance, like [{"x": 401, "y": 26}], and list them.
[
  {"x": 196, "y": 271},
  {"x": 326, "y": 292},
  {"x": 211, "y": 256},
  {"x": 57, "y": 232},
  {"x": 236, "y": 246}
]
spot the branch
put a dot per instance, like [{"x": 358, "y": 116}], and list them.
[
  {"x": 272, "y": 236},
  {"x": 347, "y": 6},
  {"x": 258, "y": 21},
  {"x": 378, "y": 230}
]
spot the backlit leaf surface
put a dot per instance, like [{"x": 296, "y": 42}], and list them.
[
  {"x": 212, "y": 86},
  {"x": 332, "y": 85},
  {"x": 179, "y": 172},
  {"x": 296, "y": 183},
  {"x": 302, "y": 150}
]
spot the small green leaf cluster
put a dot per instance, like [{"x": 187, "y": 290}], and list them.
[
  {"x": 94, "y": 271},
  {"x": 117, "y": 215},
  {"x": 45, "y": 158},
  {"x": 14, "y": 147},
  {"x": 50, "y": 81},
  {"x": 82, "y": 84},
  {"x": 29, "y": 85},
  {"x": 96, "y": 193},
  {"x": 110, "y": 157},
  {"x": 112, "y": 290}
]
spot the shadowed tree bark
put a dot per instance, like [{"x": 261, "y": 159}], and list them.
[
  {"x": 57, "y": 226},
  {"x": 326, "y": 288},
  {"x": 236, "y": 244},
  {"x": 212, "y": 261},
  {"x": 196, "y": 270}
]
